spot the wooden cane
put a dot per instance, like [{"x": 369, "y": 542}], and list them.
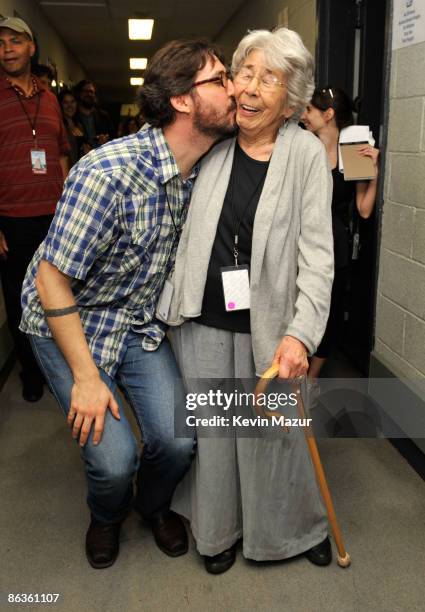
[{"x": 343, "y": 558}]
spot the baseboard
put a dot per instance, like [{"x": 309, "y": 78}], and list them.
[
  {"x": 405, "y": 446},
  {"x": 412, "y": 453}
]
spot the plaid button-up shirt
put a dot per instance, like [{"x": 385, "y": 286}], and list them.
[{"x": 114, "y": 235}]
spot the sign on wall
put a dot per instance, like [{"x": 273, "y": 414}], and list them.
[
  {"x": 408, "y": 23},
  {"x": 283, "y": 18}
]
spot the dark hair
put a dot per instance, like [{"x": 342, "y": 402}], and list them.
[
  {"x": 80, "y": 86},
  {"x": 61, "y": 95},
  {"x": 336, "y": 98},
  {"x": 41, "y": 70},
  {"x": 171, "y": 72},
  {"x": 65, "y": 92},
  {"x": 126, "y": 124}
]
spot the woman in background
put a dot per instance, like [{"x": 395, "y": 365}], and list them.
[
  {"x": 75, "y": 130},
  {"x": 329, "y": 111},
  {"x": 131, "y": 125}
]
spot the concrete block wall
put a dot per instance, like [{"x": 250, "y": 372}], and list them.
[{"x": 400, "y": 312}]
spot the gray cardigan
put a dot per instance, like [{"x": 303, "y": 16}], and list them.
[{"x": 292, "y": 246}]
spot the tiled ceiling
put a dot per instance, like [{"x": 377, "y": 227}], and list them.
[{"x": 96, "y": 32}]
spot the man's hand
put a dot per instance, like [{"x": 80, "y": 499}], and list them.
[
  {"x": 90, "y": 396},
  {"x": 291, "y": 355},
  {"x": 89, "y": 401},
  {"x": 3, "y": 246}
]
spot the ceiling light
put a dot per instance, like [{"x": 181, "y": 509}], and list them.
[
  {"x": 140, "y": 29},
  {"x": 82, "y": 4},
  {"x": 136, "y": 80},
  {"x": 138, "y": 63}
]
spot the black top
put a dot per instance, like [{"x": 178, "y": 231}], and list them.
[
  {"x": 97, "y": 122},
  {"x": 342, "y": 196},
  {"x": 240, "y": 204}
]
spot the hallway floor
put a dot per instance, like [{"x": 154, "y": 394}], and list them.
[{"x": 379, "y": 499}]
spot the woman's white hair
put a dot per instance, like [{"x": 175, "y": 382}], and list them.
[{"x": 283, "y": 50}]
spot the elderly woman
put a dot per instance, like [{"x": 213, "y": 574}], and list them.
[{"x": 261, "y": 200}]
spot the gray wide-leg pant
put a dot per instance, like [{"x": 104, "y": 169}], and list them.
[{"x": 260, "y": 489}]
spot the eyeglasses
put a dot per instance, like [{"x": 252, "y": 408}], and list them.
[
  {"x": 221, "y": 79},
  {"x": 266, "y": 82}
]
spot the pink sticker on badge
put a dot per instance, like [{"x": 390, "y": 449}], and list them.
[{"x": 231, "y": 305}]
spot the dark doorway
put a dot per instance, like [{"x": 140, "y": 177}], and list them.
[{"x": 351, "y": 54}]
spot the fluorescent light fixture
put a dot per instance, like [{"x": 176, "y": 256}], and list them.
[
  {"x": 140, "y": 29},
  {"x": 136, "y": 80},
  {"x": 138, "y": 63},
  {"x": 80, "y": 4}
]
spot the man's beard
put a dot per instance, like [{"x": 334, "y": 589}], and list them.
[
  {"x": 213, "y": 123},
  {"x": 88, "y": 104}
]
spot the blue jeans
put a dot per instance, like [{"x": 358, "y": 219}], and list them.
[{"x": 152, "y": 385}]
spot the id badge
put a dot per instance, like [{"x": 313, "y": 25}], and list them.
[
  {"x": 38, "y": 161},
  {"x": 235, "y": 281},
  {"x": 165, "y": 298}
]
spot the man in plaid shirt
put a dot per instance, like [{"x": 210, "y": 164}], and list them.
[{"x": 91, "y": 289}]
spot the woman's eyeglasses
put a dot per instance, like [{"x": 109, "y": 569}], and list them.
[{"x": 266, "y": 82}]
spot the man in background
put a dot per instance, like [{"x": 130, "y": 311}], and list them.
[
  {"x": 33, "y": 165},
  {"x": 96, "y": 121}
]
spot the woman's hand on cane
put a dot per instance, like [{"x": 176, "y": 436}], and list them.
[{"x": 291, "y": 355}]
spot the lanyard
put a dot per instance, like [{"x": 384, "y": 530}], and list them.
[
  {"x": 32, "y": 122},
  {"x": 177, "y": 230},
  {"x": 237, "y": 221},
  {"x": 170, "y": 211}
]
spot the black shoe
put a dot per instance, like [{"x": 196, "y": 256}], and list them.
[
  {"x": 321, "y": 554},
  {"x": 102, "y": 543},
  {"x": 218, "y": 564},
  {"x": 32, "y": 389},
  {"x": 169, "y": 533}
]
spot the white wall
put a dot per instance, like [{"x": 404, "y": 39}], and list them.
[{"x": 256, "y": 14}]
